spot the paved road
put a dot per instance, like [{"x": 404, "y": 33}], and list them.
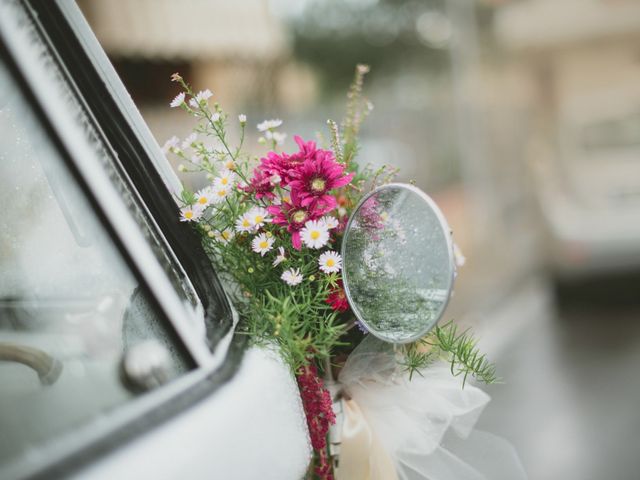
[{"x": 571, "y": 402}]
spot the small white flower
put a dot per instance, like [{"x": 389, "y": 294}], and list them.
[
  {"x": 280, "y": 257},
  {"x": 292, "y": 276},
  {"x": 330, "y": 262},
  {"x": 242, "y": 118},
  {"x": 330, "y": 221},
  {"x": 243, "y": 223},
  {"x": 190, "y": 213},
  {"x": 275, "y": 179},
  {"x": 262, "y": 244},
  {"x": 188, "y": 142},
  {"x": 170, "y": 144},
  {"x": 193, "y": 103},
  {"x": 342, "y": 211},
  {"x": 258, "y": 216},
  {"x": 269, "y": 124},
  {"x": 458, "y": 256},
  {"x": 177, "y": 101},
  {"x": 204, "y": 197},
  {"x": 203, "y": 95},
  {"x": 220, "y": 192},
  {"x": 215, "y": 117},
  {"x": 226, "y": 235},
  {"x": 278, "y": 137},
  {"x": 225, "y": 179},
  {"x": 315, "y": 234},
  {"x": 229, "y": 164}
]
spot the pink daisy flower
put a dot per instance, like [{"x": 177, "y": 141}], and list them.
[
  {"x": 260, "y": 185},
  {"x": 293, "y": 215},
  {"x": 315, "y": 177},
  {"x": 284, "y": 165}
]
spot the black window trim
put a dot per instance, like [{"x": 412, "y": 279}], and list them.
[
  {"x": 83, "y": 445},
  {"x": 143, "y": 159}
]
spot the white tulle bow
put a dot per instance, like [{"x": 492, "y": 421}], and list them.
[{"x": 422, "y": 429}]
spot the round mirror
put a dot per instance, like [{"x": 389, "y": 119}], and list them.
[{"x": 398, "y": 263}]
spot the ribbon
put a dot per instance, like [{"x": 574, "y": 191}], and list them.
[
  {"x": 420, "y": 429},
  {"x": 362, "y": 456}
]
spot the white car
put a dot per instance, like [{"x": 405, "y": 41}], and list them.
[
  {"x": 118, "y": 357},
  {"x": 589, "y": 191}
]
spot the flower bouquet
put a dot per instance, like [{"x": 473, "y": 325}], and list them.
[{"x": 273, "y": 227}]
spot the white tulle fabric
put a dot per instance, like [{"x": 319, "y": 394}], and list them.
[{"x": 425, "y": 425}]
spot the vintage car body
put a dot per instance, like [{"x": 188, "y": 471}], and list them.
[{"x": 103, "y": 191}]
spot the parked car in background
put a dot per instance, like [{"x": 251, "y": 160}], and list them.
[{"x": 118, "y": 357}]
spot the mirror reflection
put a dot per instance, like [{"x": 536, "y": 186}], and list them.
[{"x": 398, "y": 263}]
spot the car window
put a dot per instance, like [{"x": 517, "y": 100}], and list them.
[{"x": 71, "y": 311}]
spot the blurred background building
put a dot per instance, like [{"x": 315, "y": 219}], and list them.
[{"x": 521, "y": 118}]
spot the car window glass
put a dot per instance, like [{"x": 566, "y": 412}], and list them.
[{"x": 70, "y": 308}]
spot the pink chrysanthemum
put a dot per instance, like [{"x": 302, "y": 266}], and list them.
[
  {"x": 316, "y": 177},
  {"x": 293, "y": 215},
  {"x": 284, "y": 165},
  {"x": 261, "y": 185}
]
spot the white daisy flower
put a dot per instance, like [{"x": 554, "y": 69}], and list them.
[
  {"x": 315, "y": 234},
  {"x": 275, "y": 179},
  {"x": 280, "y": 257},
  {"x": 243, "y": 223},
  {"x": 204, "y": 197},
  {"x": 292, "y": 276},
  {"x": 258, "y": 216},
  {"x": 262, "y": 244},
  {"x": 225, "y": 236},
  {"x": 229, "y": 164},
  {"x": 330, "y": 221},
  {"x": 220, "y": 192},
  {"x": 330, "y": 262},
  {"x": 269, "y": 124},
  {"x": 242, "y": 118},
  {"x": 177, "y": 101},
  {"x": 190, "y": 213},
  {"x": 188, "y": 142},
  {"x": 203, "y": 95},
  {"x": 277, "y": 137},
  {"x": 170, "y": 144},
  {"x": 225, "y": 179},
  {"x": 458, "y": 256},
  {"x": 215, "y": 117}
]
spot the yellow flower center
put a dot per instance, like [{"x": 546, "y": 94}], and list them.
[
  {"x": 224, "y": 180},
  {"x": 259, "y": 219},
  {"x": 226, "y": 234},
  {"x": 331, "y": 262},
  {"x": 300, "y": 216},
  {"x": 230, "y": 165},
  {"x": 264, "y": 244},
  {"x": 246, "y": 223},
  {"x": 202, "y": 200},
  {"x": 318, "y": 184},
  {"x": 188, "y": 214},
  {"x": 315, "y": 234},
  {"x": 222, "y": 192}
]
